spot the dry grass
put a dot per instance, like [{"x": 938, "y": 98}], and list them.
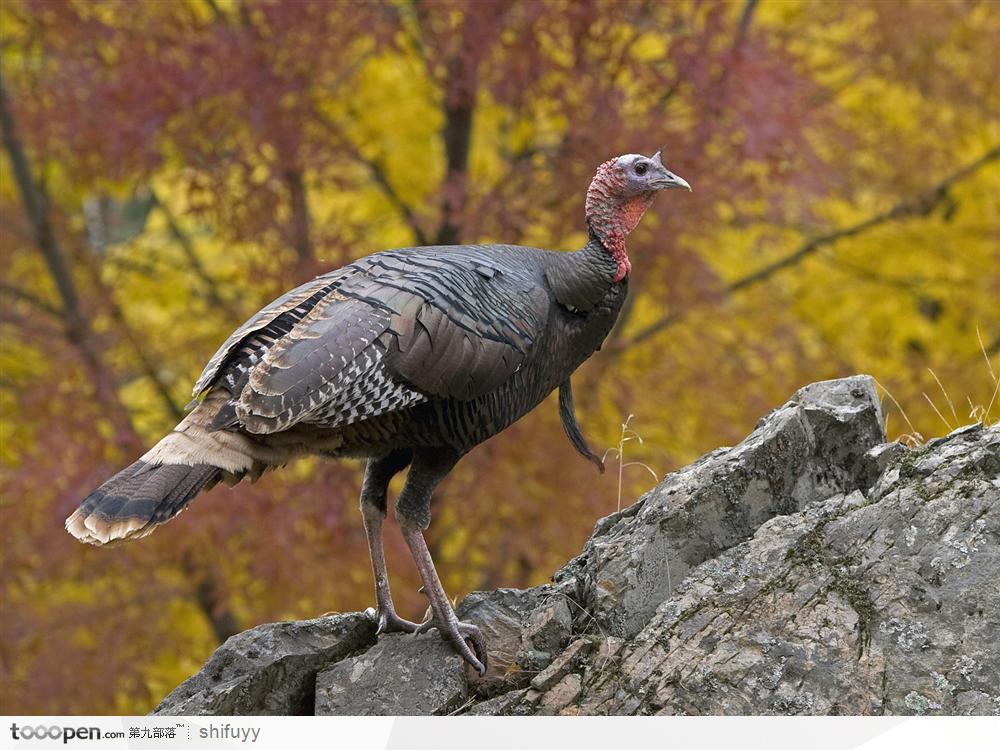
[
  {"x": 977, "y": 412},
  {"x": 627, "y": 435}
]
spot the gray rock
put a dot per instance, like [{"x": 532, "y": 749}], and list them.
[
  {"x": 505, "y": 704},
  {"x": 269, "y": 669},
  {"x": 560, "y": 698},
  {"x": 811, "y": 569},
  {"x": 885, "y": 604},
  {"x": 424, "y": 675},
  {"x": 502, "y": 617},
  {"x": 549, "y": 627},
  {"x": 558, "y": 669},
  {"x": 811, "y": 448},
  {"x": 403, "y": 674}
]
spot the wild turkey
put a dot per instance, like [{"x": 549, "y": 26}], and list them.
[{"x": 408, "y": 357}]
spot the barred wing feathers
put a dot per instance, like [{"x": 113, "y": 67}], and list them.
[
  {"x": 387, "y": 332},
  {"x": 481, "y": 313},
  {"x": 268, "y": 324}
]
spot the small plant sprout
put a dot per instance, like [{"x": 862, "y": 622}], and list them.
[{"x": 627, "y": 434}]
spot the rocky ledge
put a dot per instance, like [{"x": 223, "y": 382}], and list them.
[{"x": 811, "y": 569}]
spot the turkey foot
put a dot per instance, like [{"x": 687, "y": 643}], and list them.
[
  {"x": 460, "y": 634},
  {"x": 389, "y": 622}
]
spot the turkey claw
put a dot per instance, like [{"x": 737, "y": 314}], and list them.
[
  {"x": 461, "y": 634},
  {"x": 425, "y": 626},
  {"x": 389, "y": 622}
]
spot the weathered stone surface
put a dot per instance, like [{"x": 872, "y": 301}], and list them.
[
  {"x": 881, "y": 604},
  {"x": 270, "y": 669},
  {"x": 424, "y": 675},
  {"x": 811, "y": 448},
  {"x": 562, "y": 694},
  {"x": 567, "y": 660},
  {"x": 402, "y": 674},
  {"x": 501, "y": 705},
  {"x": 549, "y": 627},
  {"x": 812, "y": 569},
  {"x": 502, "y": 617}
]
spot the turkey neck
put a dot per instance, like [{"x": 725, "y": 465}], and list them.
[{"x": 581, "y": 279}]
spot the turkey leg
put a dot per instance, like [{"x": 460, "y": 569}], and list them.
[
  {"x": 413, "y": 511},
  {"x": 378, "y": 473},
  {"x": 443, "y": 618}
]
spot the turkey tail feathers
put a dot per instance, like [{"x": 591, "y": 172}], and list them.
[{"x": 137, "y": 499}]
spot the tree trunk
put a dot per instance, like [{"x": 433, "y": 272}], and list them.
[
  {"x": 457, "y": 136},
  {"x": 77, "y": 327},
  {"x": 300, "y": 230}
]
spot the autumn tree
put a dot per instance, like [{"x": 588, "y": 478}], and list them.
[{"x": 168, "y": 168}]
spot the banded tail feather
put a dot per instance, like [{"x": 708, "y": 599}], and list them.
[
  {"x": 167, "y": 478},
  {"x": 137, "y": 499}
]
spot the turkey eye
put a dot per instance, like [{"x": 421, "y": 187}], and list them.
[{"x": 640, "y": 169}]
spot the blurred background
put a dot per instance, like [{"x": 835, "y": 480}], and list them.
[{"x": 170, "y": 167}]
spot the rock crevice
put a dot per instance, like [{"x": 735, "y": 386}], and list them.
[{"x": 811, "y": 569}]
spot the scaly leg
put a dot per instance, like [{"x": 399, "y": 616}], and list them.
[
  {"x": 413, "y": 514},
  {"x": 374, "y": 490},
  {"x": 451, "y": 628}
]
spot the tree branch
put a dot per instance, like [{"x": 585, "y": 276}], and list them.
[
  {"x": 459, "y": 92},
  {"x": 32, "y": 299},
  {"x": 146, "y": 363},
  {"x": 459, "y": 107},
  {"x": 208, "y": 593},
  {"x": 77, "y": 327},
  {"x": 34, "y": 206},
  {"x": 920, "y": 205},
  {"x": 746, "y": 17},
  {"x": 216, "y": 11},
  {"x": 211, "y": 288},
  {"x": 378, "y": 174}
]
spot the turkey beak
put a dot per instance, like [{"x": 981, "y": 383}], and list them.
[{"x": 664, "y": 179}]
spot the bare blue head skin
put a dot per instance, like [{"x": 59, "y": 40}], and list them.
[{"x": 619, "y": 195}]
